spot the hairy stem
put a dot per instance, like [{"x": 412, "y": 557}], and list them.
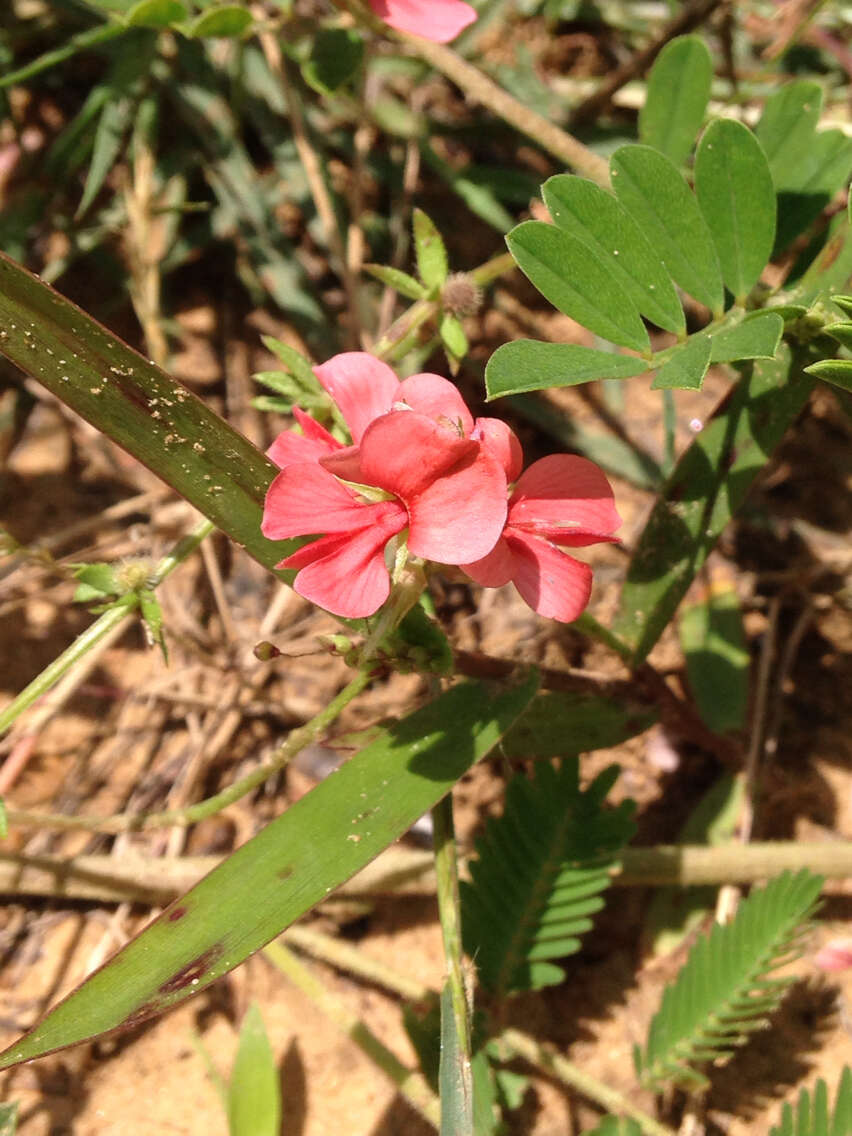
[{"x": 131, "y": 822}]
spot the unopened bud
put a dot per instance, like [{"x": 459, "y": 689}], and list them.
[
  {"x": 460, "y": 296},
  {"x": 266, "y": 651},
  {"x": 131, "y": 575}
]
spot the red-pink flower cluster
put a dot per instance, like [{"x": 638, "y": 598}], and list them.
[
  {"x": 438, "y": 20},
  {"x": 420, "y": 462}
]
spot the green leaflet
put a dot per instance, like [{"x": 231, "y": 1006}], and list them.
[
  {"x": 717, "y": 659},
  {"x": 724, "y": 992},
  {"x": 539, "y": 875},
  {"x": 156, "y": 14},
  {"x": 812, "y": 1116},
  {"x": 139, "y": 407},
  {"x": 292, "y": 864},
  {"x": 737, "y": 197},
  {"x": 9, "y": 1118},
  {"x": 254, "y": 1093},
  {"x": 562, "y": 269},
  {"x": 228, "y": 21},
  {"x": 786, "y": 129},
  {"x": 527, "y": 365},
  {"x": 395, "y": 278},
  {"x": 838, "y": 372},
  {"x": 755, "y": 337},
  {"x": 431, "y": 252},
  {"x": 708, "y": 485},
  {"x": 336, "y": 55},
  {"x": 586, "y": 211},
  {"x": 686, "y": 368},
  {"x": 678, "y": 90},
  {"x": 655, "y": 194}
]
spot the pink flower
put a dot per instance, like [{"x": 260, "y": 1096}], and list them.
[
  {"x": 363, "y": 387},
  {"x": 449, "y": 491},
  {"x": 438, "y": 20},
  {"x": 562, "y": 500}
]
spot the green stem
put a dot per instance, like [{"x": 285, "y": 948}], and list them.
[
  {"x": 127, "y": 822},
  {"x": 669, "y": 425},
  {"x": 515, "y": 1043},
  {"x": 101, "y": 627},
  {"x": 411, "y": 1085},
  {"x": 91, "y": 38},
  {"x": 447, "y": 878},
  {"x": 590, "y": 626}
]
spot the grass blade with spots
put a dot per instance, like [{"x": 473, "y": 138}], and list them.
[
  {"x": 708, "y": 485},
  {"x": 138, "y": 406},
  {"x": 291, "y": 865}
]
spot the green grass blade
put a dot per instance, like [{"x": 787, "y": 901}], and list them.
[
  {"x": 455, "y": 1082},
  {"x": 138, "y": 406},
  {"x": 708, "y": 485},
  {"x": 254, "y": 1091},
  {"x": 678, "y": 91},
  {"x": 296, "y": 861}
]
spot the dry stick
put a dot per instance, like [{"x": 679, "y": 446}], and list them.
[
  {"x": 690, "y": 16},
  {"x": 158, "y": 879},
  {"x": 412, "y": 1085},
  {"x": 316, "y": 181},
  {"x": 478, "y": 87},
  {"x": 191, "y": 814}
]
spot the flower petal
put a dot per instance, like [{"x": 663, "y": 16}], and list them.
[
  {"x": 561, "y": 496},
  {"x": 554, "y": 584},
  {"x": 362, "y": 386},
  {"x": 458, "y": 517},
  {"x": 306, "y": 499},
  {"x": 502, "y": 441},
  {"x": 345, "y": 463},
  {"x": 313, "y": 443},
  {"x": 404, "y": 452},
  {"x": 437, "y": 398},
  {"x": 438, "y": 20},
  {"x": 495, "y": 569},
  {"x": 346, "y": 574}
]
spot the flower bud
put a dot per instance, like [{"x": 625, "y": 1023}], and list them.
[{"x": 460, "y": 296}]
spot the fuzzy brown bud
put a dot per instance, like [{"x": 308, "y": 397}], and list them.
[{"x": 460, "y": 296}]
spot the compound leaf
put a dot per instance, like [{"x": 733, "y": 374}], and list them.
[
  {"x": 812, "y": 1116},
  {"x": 724, "y": 992},
  {"x": 539, "y": 874}
]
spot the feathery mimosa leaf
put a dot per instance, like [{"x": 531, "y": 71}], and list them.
[
  {"x": 597, "y": 218},
  {"x": 655, "y": 194},
  {"x": 737, "y": 197},
  {"x": 566, "y": 273},
  {"x": 539, "y": 874},
  {"x": 291, "y": 865},
  {"x": 678, "y": 91},
  {"x": 812, "y": 1117},
  {"x": 723, "y": 993}
]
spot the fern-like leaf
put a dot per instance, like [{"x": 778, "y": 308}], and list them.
[
  {"x": 723, "y": 993},
  {"x": 812, "y": 1118},
  {"x": 539, "y": 875}
]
